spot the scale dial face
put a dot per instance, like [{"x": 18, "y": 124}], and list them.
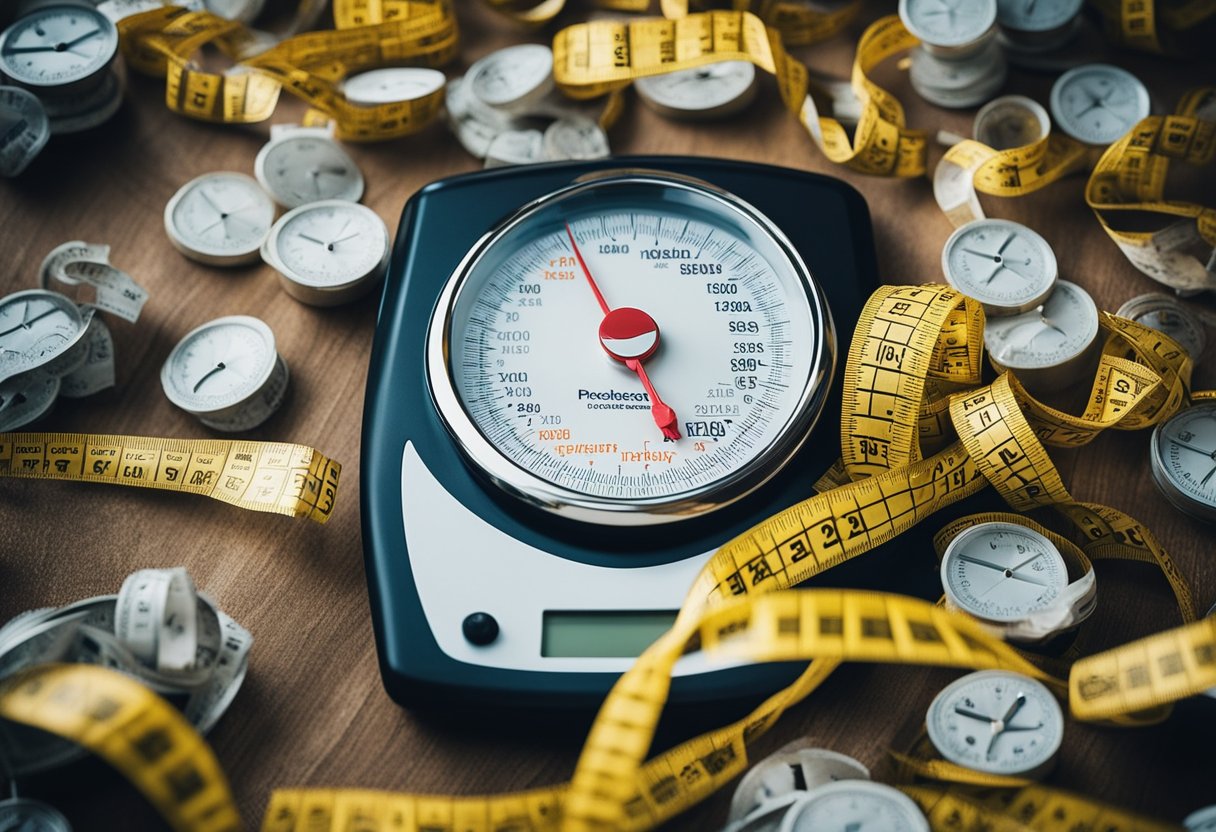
[
  {"x": 857, "y": 806},
  {"x": 1098, "y": 103},
  {"x": 1183, "y": 460},
  {"x": 58, "y": 46},
  {"x": 512, "y": 78},
  {"x": 306, "y": 165},
  {"x": 36, "y": 327},
  {"x": 392, "y": 84},
  {"x": 948, "y": 23},
  {"x": 328, "y": 247},
  {"x": 1002, "y": 572},
  {"x": 26, "y": 129},
  {"x": 1004, "y": 265},
  {"x": 1058, "y": 331},
  {"x": 220, "y": 364},
  {"x": 1036, "y": 15},
  {"x": 711, "y": 91},
  {"x": 1165, "y": 314},
  {"x": 219, "y": 218},
  {"x": 998, "y": 722},
  {"x": 549, "y": 389}
]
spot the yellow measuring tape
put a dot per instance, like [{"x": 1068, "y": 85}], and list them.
[
  {"x": 260, "y": 476},
  {"x": 800, "y": 24},
  {"x": 1162, "y": 26}
]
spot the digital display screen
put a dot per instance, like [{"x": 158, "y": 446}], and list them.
[{"x": 610, "y": 634}]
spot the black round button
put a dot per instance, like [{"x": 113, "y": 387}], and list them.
[{"x": 480, "y": 628}]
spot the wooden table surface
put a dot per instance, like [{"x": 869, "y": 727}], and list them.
[{"x": 313, "y": 711}]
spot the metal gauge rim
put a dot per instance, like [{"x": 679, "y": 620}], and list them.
[
  {"x": 353, "y": 191},
  {"x": 992, "y": 304},
  {"x": 1193, "y": 336},
  {"x": 967, "y": 535},
  {"x": 872, "y": 790},
  {"x": 359, "y": 89},
  {"x": 108, "y": 31},
  {"x": 493, "y": 464},
  {"x": 652, "y": 89},
  {"x": 212, "y": 255},
  {"x": 232, "y": 399},
  {"x": 319, "y": 292},
  {"x": 1180, "y": 499},
  {"x": 1052, "y": 710},
  {"x": 1092, "y": 327},
  {"x": 1056, "y": 102},
  {"x": 963, "y": 39}
]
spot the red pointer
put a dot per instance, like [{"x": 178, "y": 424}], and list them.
[{"x": 630, "y": 336}]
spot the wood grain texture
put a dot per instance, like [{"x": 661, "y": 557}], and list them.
[{"x": 313, "y": 711}]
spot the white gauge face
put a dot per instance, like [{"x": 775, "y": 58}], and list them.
[
  {"x": 1201, "y": 820},
  {"x": 1164, "y": 314},
  {"x": 1059, "y": 330},
  {"x": 711, "y": 91},
  {"x": 855, "y": 806},
  {"x": 36, "y": 326},
  {"x": 303, "y": 167},
  {"x": 219, "y": 364},
  {"x": 1004, "y": 265},
  {"x": 575, "y": 137},
  {"x": 733, "y": 378},
  {"x": 329, "y": 243},
  {"x": 1184, "y": 463},
  {"x": 21, "y": 401},
  {"x": 1036, "y": 15},
  {"x": 509, "y": 76},
  {"x": 1098, "y": 103},
  {"x": 392, "y": 84},
  {"x": 222, "y": 215},
  {"x": 998, "y": 722},
  {"x": 24, "y": 129},
  {"x": 948, "y": 23},
  {"x": 1003, "y": 572},
  {"x": 58, "y": 46}
]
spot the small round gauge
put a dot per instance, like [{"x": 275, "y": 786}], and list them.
[
  {"x": 58, "y": 48},
  {"x": 860, "y": 805},
  {"x": 328, "y": 252},
  {"x": 1098, "y": 103},
  {"x": 998, "y": 722},
  {"x": 712, "y": 91},
  {"x": 1183, "y": 460},
  {"x": 512, "y": 79},
  {"x": 1004, "y": 265},
  {"x": 1201, "y": 820},
  {"x": 1002, "y": 572},
  {"x": 24, "y": 815},
  {"x": 23, "y": 400},
  {"x": 787, "y": 772},
  {"x": 1165, "y": 314},
  {"x": 546, "y": 362},
  {"x": 26, "y": 132},
  {"x": 227, "y": 373},
  {"x": 1011, "y": 121},
  {"x": 220, "y": 219},
  {"x": 303, "y": 164},
  {"x": 40, "y": 330},
  {"x": 575, "y": 137},
  {"x": 1048, "y": 346},
  {"x": 1037, "y": 21},
  {"x": 948, "y": 25},
  {"x": 392, "y": 84}
]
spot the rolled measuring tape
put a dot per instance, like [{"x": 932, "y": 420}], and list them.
[{"x": 800, "y": 23}]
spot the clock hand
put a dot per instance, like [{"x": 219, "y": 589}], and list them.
[
  {"x": 972, "y": 715},
  {"x": 1023, "y": 727},
  {"x": 983, "y": 254},
  {"x": 1023, "y": 563},
  {"x": 1204, "y": 481},
  {"x": 998, "y": 727},
  {"x": 313, "y": 240},
  {"x": 342, "y": 240},
  {"x": 26, "y": 324},
  {"x": 21, "y": 50},
  {"x": 217, "y": 368},
  {"x": 979, "y": 562},
  {"x": 1212, "y": 454},
  {"x": 75, "y": 41},
  {"x": 340, "y": 230},
  {"x": 1007, "y": 264},
  {"x": 223, "y": 214}
]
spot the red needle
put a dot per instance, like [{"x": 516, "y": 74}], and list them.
[{"x": 664, "y": 416}]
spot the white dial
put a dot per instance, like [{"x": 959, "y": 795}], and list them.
[
  {"x": 948, "y": 23},
  {"x": 22, "y": 400},
  {"x": 1036, "y": 15},
  {"x": 227, "y": 373},
  {"x": 392, "y": 84},
  {"x": 512, "y": 78},
  {"x": 1183, "y": 460},
  {"x": 711, "y": 91},
  {"x": 219, "y": 218},
  {"x": 1165, "y": 314},
  {"x": 998, "y": 722},
  {"x": 575, "y": 137},
  {"x": 301, "y": 165},
  {"x": 1004, "y": 265},
  {"x": 58, "y": 46},
  {"x": 559, "y": 384},
  {"x": 1002, "y": 572},
  {"x": 24, "y": 129},
  {"x": 40, "y": 330},
  {"x": 1060, "y": 330},
  {"x": 1098, "y": 103},
  {"x": 855, "y": 806},
  {"x": 1201, "y": 820},
  {"x": 328, "y": 252}
]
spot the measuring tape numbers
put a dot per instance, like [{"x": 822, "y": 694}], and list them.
[{"x": 271, "y": 477}]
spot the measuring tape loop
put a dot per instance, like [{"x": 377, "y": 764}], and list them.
[
  {"x": 279, "y": 478},
  {"x": 1153, "y": 26},
  {"x": 135, "y": 731},
  {"x": 798, "y": 23}
]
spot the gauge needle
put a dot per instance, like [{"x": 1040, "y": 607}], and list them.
[
  {"x": 1009, "y": 573},
  {"x": 664, "y": 416},
  {"x": 998, "y": 727},
  {"x": 217, "y": 368},
  {"x": 1211, "y": 454},
  {"x": 973, "y": 715},
  {"x": 26, "y": 324}
]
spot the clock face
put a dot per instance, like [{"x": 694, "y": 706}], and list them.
[
  {"x": 710, "y": 91},
  {"x": 1004, "y": 265},
  {"x": 1003, "y": 572},
  {"x": 220, "y": 364},
  {"x": 329, "y": 244},
  {"x": 856, "y": 806},
  {"x": 1184, "y": 460},
  {"x": 998, "y": 722},
  {"x": 303, "y": 167},
  {"x": 948, "y": 24},
  {"x": 220, "y": 218},
  {"x": 1098, "y": 103},
  {"x": 36, "y": 327},
  {"x": 1059, "y": 330},
  {"x": 58, "y": 46}
]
